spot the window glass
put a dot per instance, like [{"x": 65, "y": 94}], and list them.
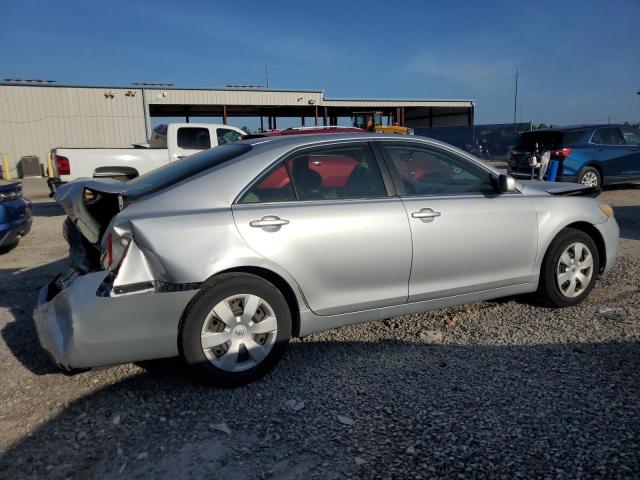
[
  {"x": 227, "y": 136},
  {"x": 336, "y": 172},
  {"x": 194, "y": 138},
  {"x": 608, "y": 136},
  {"x": 595, "y": 138},
  {"x": 631, "y": 136},
  {"x": 275, "y": 187},
  {"x": 426, "y": 171}
]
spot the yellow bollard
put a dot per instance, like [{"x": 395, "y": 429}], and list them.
[
  {"x": 6, "y": 173},
  {"x": 49, "y": 166}
]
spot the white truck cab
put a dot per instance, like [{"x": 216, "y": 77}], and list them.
[{"x": 168, "y": 143}]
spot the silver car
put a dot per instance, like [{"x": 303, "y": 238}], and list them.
[{"x": 222, "y": 257}]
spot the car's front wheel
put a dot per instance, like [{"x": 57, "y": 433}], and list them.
[
  {"x": 235, "y": 329},
  {"x": 569, "y": 269},
  {"x": 590, "y": 176}
]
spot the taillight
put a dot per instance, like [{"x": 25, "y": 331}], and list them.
[
  {"x": 62, "y": 165},
  {"x": 560, "y": 154},
  {"x": 114, "y": 250}
]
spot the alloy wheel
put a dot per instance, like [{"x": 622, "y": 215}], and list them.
[{"x": 590, "y": 179}]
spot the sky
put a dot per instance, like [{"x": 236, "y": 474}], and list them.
[{"x": 578, "y": 61}]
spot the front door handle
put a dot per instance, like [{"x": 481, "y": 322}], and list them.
[
  {"x": 426, "y": 214},
  {"x": 269, "y": 221}
]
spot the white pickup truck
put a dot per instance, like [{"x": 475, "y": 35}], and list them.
[{"x": 168, "y": 143}]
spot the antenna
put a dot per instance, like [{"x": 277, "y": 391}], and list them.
[
  {"x": 515, "y": 102},
  {"x": 266, "y": 74}
]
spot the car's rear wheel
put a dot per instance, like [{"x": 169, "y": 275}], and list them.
[
  {"x": 569, "y": 269},
  {"x": 590, "y": 176},
  {"x": 236, "y": 329}
]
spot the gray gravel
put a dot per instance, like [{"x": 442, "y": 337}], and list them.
[{"x": 497, "y": 389}]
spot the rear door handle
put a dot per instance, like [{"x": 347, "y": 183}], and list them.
[
  {"x": 426, "y": 214},
  {"x": 269, "y": 221}
]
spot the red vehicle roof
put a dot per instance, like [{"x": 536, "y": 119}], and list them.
[{"x": 313, "y": 130}]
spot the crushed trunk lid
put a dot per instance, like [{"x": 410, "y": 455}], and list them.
[{"x": 91, "y": 204}]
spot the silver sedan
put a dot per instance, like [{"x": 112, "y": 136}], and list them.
[{"x": 222, "y": 257}]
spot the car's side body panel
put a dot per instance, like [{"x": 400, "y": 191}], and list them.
[
  {"x": 371, "y": 238},
  {"x": 446, "y": 249}
]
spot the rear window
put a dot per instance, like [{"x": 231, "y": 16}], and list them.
[
  {"x": 175, "y": 172},
  {"x": 194, "y": 138},
  {"x": 547, "y": 140}
]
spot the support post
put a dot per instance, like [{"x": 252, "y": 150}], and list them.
[
  {"x": 6, "y": 172},
  {"x": 49, "y": 166},
  {"x": 324, "y": 118},
  {"x": 397, "y": 119},
  {"x": 302, "y": 121},
  {"x": 270, "y": 123},
  {"x": 275, "y": 124},
  {"x": 261, "y": 123},
  {"x": 224, "y": 114},
  {"x": 316, "y": 116}
]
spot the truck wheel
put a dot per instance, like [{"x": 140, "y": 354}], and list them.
[
  {"x": 569, "y": 269},
  {"x": 590, "y": 176},
  {"x": 235, "y": 330}
]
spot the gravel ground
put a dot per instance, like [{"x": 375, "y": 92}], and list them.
[{"x": 495, "y": 389}]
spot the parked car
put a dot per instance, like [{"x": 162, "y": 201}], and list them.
[
  {"x": 214, "y": 260},
  {"x": 594, "y": 155},
  {"x": 168, "y": 143},
  {"x": 15, "y": 214}
]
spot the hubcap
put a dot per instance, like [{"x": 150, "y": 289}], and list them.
[
  {"x": 574, "y": 270},
  {"x": 590, "y": 178},
  {"x": 239, "y": 332}
]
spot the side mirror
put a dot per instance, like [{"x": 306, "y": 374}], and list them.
[{"x": 506, "y": 183}]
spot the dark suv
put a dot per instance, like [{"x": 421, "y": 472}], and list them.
[{"x": 594, "y": 155}]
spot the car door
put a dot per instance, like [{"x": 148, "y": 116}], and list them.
[
  {"x": 346, "y": 241},
  {"x": 632, "y": 158},
  {"x": 610, "y": 152},
  {"x": 466, "y": 237}
]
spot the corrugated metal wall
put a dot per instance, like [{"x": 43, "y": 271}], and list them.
[
  {"x": 33, "y": 120},
  {"x": 232, "y": 97}
]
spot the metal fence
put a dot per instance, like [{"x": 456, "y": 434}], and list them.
[{"x": 491, "y": 141}]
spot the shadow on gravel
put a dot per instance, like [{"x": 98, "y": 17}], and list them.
[
  {"x": 19, "y": 294},
  {"x": 565, "y": 411},
  {"x": 628, "y": 217},
  {"x": 46, "y": 209}
]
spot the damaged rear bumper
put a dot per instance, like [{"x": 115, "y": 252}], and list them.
[{"x": 80, "y": 329}]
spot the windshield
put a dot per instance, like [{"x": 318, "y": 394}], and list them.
[
  {"x": 176, "y": 171},
  {"x": 548, "y": 140}
]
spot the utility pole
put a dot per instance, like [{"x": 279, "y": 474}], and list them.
[
  {"x": 515, "y": 103},
  {"x": 266, "y": 74}
]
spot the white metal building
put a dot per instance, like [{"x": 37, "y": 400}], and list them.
[{"x": 36, "y": 118}]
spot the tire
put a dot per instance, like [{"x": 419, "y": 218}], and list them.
[
  {"x": 590, "y": 176},
  {"x": 248, "y": 349},
  {"x": 561, "y": 283}
]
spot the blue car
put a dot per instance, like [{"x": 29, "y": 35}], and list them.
[
  {"x": 595, "y": 155},
  {"x": 15, "y": 214}
]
